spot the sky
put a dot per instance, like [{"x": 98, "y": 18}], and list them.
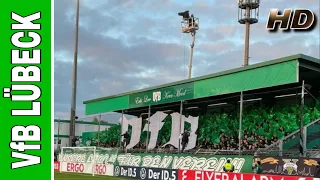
[{"x": 127, "y": 45}]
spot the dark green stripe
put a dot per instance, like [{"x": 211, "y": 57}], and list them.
[{"x": 85, "y": 122}]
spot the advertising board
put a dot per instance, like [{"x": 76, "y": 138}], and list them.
[
  {"x": 166, "y": 161},
  {"x": 87, "y": 168},
  {"x": 146, "y": 173},
  {"x": 185, "y": 161},
  {"x": 289, "y": 166},
  {"x": 76, "y": 167},
  {"x": 56, "y": 166},
  {"x": 211, "y": 175}
]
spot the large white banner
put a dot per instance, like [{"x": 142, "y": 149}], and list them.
[
  {"x": 136, "y": 132},
  {"x": 155, "y": 124},
  {"x": 175, "y": 133}
]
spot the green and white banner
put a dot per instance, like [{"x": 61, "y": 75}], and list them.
[
  {"x": 25, "y": 104},
  {"x": 164, "y": 161}
]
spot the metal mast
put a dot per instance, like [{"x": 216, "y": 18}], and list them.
[
  {"x": 248, "y": 14},
  {"x": 189, "y": 24},
  {"x": 74, "y": 78}
]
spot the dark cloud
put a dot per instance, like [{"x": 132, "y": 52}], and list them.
[{"x": 125, "y": 45}]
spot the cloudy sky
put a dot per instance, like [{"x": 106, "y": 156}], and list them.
[{"x": 127, "y": 45}]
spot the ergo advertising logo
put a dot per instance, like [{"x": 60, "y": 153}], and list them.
[{"x": 298, "y": 19}]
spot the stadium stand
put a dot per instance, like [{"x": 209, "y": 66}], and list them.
[
  {"x": 266, "y": 97},
  {"x": 263, "y": 127}
]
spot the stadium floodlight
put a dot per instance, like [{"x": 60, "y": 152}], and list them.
[
  {"x": 73, "y": 116},
  {"x": 249, "y": 16},
  {"x": 184, "y": 14},
  {"x": 189, "y": 24}
]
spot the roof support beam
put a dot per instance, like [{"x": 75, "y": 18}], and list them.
[{"x": 308, "y": 66}]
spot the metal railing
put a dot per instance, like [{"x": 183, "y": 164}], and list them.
[
  {"x": 312, "y": 153},
  {"x": 278, "y": 146}
]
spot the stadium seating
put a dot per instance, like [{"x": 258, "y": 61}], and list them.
[
  {"x": 313, "y": 140},
  {"x": 261, "y": 126}
]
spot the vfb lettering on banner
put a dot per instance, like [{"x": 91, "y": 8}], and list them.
[{"x": 297, "y": 19}]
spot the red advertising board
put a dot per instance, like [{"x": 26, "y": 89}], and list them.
[
  {"x": 211, "y": 175},
  {"x": 56, "y": 166},
  {"x": 75, "y": 167},
  {"x": 101, "y": 169}
]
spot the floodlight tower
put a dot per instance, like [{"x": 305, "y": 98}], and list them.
[
  {"x": 189, "y": 24},
  {"x": 249, "y": 16},
  {"x": 74, "y": 79}
]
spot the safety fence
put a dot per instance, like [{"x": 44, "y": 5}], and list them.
[{"x": 311, "y": 153}]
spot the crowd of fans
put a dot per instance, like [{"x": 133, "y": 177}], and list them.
[
  {"x": 250, "y": 141},
  {"x": 262, "y": 127}
]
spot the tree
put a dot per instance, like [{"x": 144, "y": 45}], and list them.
[{"x": 95, "y": 119}]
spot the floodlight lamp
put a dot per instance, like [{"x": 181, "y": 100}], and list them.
[
  {"x": 184, "y": 14},
  {"x": 308, "y": 86}
]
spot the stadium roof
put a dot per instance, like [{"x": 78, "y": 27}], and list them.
[
  {"x": 275, "y": 73},
  {"x": 103, "y": 123}
]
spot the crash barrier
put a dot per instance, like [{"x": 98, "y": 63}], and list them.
[
  {"x": 288, "y": 166},
  {"x": 81, "y": 162},
  {"x": 105, "y": 163},
  {"x": 173, "y": 174}
]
